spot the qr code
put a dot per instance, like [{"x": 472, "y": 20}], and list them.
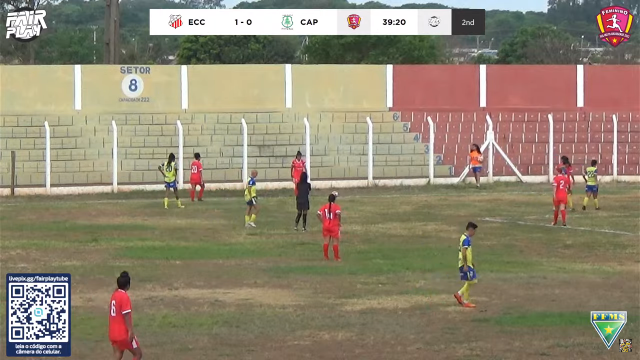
[{"x": 38, "y": 312}]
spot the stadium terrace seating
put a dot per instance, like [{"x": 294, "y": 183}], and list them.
[
  {"x": 81, "y": 147},
  {"x": 524, "y": 136}
]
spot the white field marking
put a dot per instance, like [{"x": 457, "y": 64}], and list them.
[
  {"x": 565, "y": 227},
  {"x": 116, "y": 201}
]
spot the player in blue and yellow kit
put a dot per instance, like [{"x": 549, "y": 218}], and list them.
[
  {"x": 466, "y": 266},
  {"x": 590, "y": 176},
  {"x": 168, "y": 170},
  {"x": 251, "y": 198}
]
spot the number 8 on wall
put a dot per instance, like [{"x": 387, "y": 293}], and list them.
[{"x": 132, "y": 86}]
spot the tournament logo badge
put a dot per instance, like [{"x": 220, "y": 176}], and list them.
[
  {"x": 614, "y": 23},
  {"x": 608, "y": 324},
  {"x": 353, "y": 21}
]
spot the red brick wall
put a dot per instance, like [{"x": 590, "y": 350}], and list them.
[{"x": 519, "y": 99}]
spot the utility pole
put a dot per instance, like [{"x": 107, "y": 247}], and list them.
[
  {"x": 94, "y": 27},
  {"x": 112, "y": 32}
]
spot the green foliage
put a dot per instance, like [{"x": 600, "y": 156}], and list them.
[
  {"x": 238, "y": 49},
  {"x": 296, "y": 4},
  {"x": 76, "y": 20},
  {"x": 542, "y": 44},
  {"x": 374, "y": 50},
  {"x": 484, "y": 59}
]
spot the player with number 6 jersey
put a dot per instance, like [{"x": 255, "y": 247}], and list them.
[
  {"x": 196, "y": 177},
  {"x": 331, "y": 217},
  {"x": 121, "y": 332}
]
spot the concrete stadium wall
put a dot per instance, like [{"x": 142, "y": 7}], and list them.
[
  {"x": 80, "y": 102},
  {"x": 101, "y": 89}
]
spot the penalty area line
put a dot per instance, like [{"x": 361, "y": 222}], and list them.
[{"x": 564, "y": 227}]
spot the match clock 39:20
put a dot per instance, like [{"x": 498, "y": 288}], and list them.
[{"x": 394, "y": 22}]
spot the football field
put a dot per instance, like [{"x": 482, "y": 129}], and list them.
[{"x": 204, "y": 287}]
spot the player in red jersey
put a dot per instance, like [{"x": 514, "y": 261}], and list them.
[
  {"x": 331, "y": 218},
  {"x": 196, "y": 177},
  {"x": 298, "y": 166},
  {"x": 121, "y": 332},
  {"x": 561, "y": 188}
]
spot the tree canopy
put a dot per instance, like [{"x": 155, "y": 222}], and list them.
[
  {"x": 541, "y": 44},
  {"x": 72, "y": 23}
]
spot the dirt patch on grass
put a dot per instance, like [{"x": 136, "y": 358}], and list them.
[
  {"x": 311, "y": 337},
  {"x": 263, "y": 296},
  {"x": 397, "y": 302},
  {"x": 405, "y": 228}
]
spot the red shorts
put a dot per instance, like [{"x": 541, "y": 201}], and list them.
[
  {"x": 560, "y": 200},
  {"x": 125, "y": 344},
  {"x": 196, "y": 181},
  {"x": 333, "y": 232},
  {"x": 296, "y": 180}
]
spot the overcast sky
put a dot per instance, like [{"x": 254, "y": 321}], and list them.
[{"x": 514, "y": 5}]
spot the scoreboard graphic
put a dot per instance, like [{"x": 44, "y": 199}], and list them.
[{"x": 317, "y": 22}]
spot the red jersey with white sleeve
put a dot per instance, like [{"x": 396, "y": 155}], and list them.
[
  {"x": 119, "y": 306},
  {"x": 561, "y": 186},
  {"x": 299, "y": 166},
  {"x": 196, "y": 172},
  {"x": 330, "y": 217}
]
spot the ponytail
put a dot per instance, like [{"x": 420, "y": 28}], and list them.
[{"x": 332, "y": 199}]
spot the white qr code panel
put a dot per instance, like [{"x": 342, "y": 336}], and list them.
[{"x": 38, "y": 312}]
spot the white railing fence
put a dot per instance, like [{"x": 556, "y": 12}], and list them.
[
  {"x": 432, "y": 144},
  {"x": 615, "y": 147},
  {"x": 307, "y": 147},
  {"x": 370, "y": 152},
  {"x": 114, "y": 166},
  {"x": 47, "y": 157},
  {"x": 551, "y": 160},
  {"x": 489, "y": 148},
  {"x": 491, "y": 145},
  {"x": 180, "y": 162},
  {"x": 245, "y": 152}
]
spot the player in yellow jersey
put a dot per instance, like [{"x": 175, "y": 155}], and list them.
[
  {"x": 168, "y": 170},
  {"x": 466, "y": 266},
  {"x": 251, "y": 198},
  {"x": 590, "y": 176}
]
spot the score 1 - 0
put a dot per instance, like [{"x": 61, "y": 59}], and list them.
[{"x": 248, "y": 22}]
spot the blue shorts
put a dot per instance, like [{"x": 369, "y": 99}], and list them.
[
  {"x": 171, "y": 185},
  {"x": 476, "y": 169},
  {"x": 469, "y": 275},
  {"x": 591, "y": 189},
  {"x": 252, "y": 202}
]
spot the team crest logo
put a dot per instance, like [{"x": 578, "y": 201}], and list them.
[
  {"x": 608, "y": 325},
  {"x": 353, "y": 21},
  {"x": 625, "y": 345},
  {"x": 615, "y": 23},
  {"x": 175, "y": 21},
  {"x": 287, "y": 22}
]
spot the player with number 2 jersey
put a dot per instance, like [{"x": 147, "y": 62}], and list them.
[
  {"x": 561, "y": 189},
  {"x": 121, "y": 332}
]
